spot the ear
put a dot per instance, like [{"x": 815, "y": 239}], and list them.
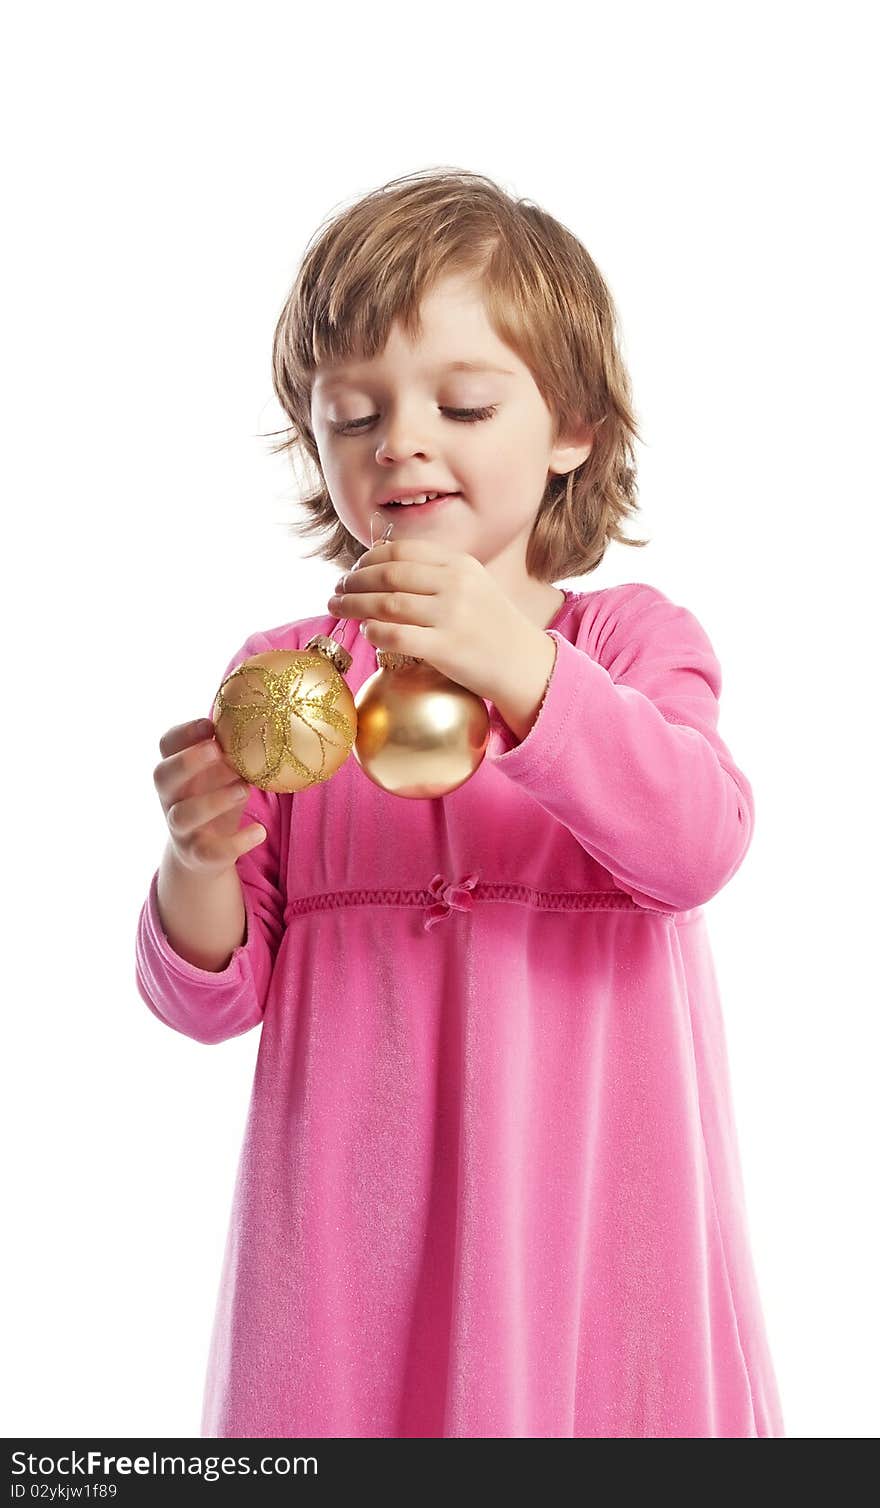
[{"x": 570, "y": 452}]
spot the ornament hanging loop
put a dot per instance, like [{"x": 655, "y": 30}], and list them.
[
  {"x": 374, "y": 530},
  {"x": 388, "y": 659}
]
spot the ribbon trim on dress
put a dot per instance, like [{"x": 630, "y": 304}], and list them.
[{"x": 449, "y": 893}]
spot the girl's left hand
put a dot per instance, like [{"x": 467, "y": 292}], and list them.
[{"x": 416, "y": 598}]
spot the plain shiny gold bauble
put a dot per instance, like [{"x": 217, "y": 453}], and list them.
[
  {"x": 286, "y": 719},
  {"x": 419, "y": 734}
]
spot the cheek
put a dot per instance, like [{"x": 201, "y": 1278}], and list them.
[{"x": 502, "y": 472}]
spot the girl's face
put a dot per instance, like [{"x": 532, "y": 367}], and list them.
[{"x": 409, "y": 419}]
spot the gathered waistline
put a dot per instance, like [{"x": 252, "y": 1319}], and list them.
[{"x": 443, "y": 896}]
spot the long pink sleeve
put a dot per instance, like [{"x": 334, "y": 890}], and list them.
[
  {"x": 625, "y": 752},
  {"x": 207, "y": 1006}
]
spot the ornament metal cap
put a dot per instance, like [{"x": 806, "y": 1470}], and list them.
[
  {"x": 332, "y": 650},
  {"x": 392, "y": 659}
]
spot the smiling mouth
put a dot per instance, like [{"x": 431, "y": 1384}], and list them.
[{"x": 414, "y": 507}]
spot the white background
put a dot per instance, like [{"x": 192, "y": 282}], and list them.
[{"x": 165, "y": 167}]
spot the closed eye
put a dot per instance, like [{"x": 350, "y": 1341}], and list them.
[{"x": 461, "y": 415}]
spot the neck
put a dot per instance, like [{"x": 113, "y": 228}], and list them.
[{"x": 543, "y": 603}]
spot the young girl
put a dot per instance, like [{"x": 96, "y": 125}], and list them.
[{"x": 490, "y": 1183}]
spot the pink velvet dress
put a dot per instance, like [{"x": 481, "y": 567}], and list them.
[{"x": 490, "y": 1183}]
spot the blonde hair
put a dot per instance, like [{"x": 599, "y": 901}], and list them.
[{"x": 544, "y": 296}]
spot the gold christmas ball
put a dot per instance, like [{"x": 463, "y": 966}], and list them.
[
  {"x": 419, "y": 734},
  {"x": 286, "y": 719}
]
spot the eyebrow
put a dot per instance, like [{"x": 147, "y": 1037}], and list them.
[{"x": 340, "y": 374}]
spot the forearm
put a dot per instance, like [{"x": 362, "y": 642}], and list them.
[
  {"x": 204, "y": 918},
  {"x": 640, "y": 777},
  {"x": 519, "y": 696}
]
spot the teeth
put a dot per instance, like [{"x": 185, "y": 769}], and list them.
[{"x": 423, "y": 497}]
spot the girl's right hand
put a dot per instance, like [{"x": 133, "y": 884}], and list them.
[{"x": 202, "y": 797}]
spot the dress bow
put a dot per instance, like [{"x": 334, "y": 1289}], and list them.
[{"x": 449, "y": 893}]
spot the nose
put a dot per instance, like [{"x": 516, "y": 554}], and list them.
[{"x": 402, "y": 437}]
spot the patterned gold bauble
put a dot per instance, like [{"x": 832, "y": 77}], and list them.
[
  {"x": 419, "y": 734},
  {"x": 286, "y": 719}
]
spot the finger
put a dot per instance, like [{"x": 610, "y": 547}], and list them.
[
  {"x": 210, "y": 847},
  {"x": 406, "y": 548},
  {"x": 184, "y": 817},
  {"x": 389, "y": 607},
  {"x": 204, "y": 757},
  {"x": 421, "y": 578},
  {"x": 248, "y": 838},
  {"x": 366, "y": 579},
  {"x": 400, "y": 638},
  {"x": 412, "y": 565},
  {"x": 184, "y": 734}
]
